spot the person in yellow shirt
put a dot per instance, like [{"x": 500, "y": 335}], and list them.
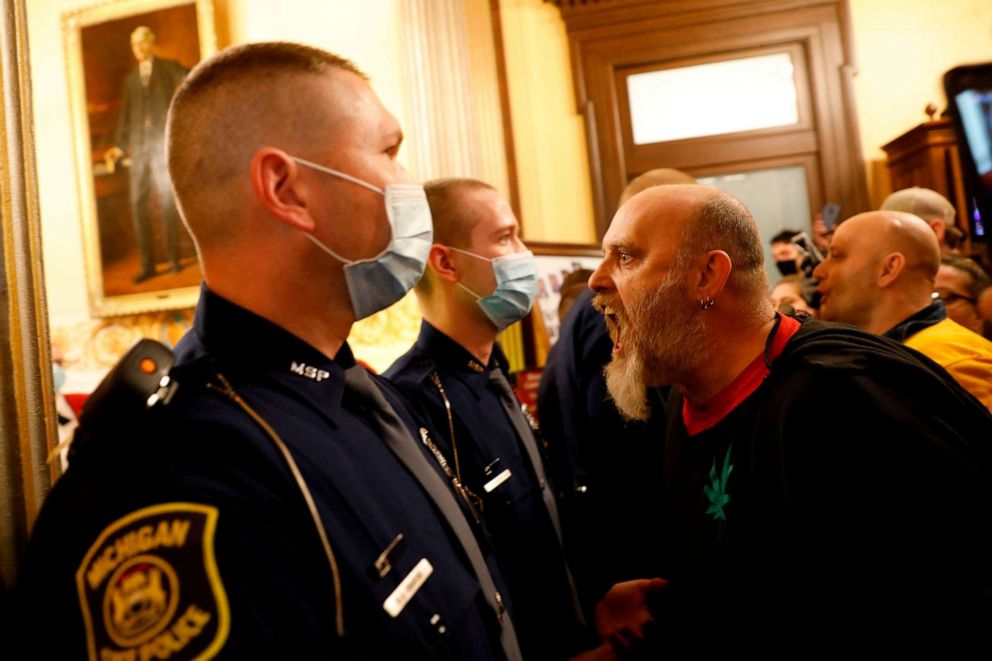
[{"x": 880, "y": 277}]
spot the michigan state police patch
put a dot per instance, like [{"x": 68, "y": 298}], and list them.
[{"x": 149, "y": 587}]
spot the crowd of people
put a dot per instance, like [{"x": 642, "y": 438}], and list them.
[
  {"x": 715, "y": 468},
  {"x": 894, "y": 272}
]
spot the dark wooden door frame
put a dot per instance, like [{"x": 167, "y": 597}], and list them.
[{"x": 607, "y": 36}]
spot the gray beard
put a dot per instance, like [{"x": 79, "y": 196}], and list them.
[
  {"x": 626, "y": 384},
  {"x": 666, "y": 344}
]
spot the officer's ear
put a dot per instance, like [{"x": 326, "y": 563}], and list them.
[
  {"x": 276, "y": 182},
  {"x": 440, "y": 262}
]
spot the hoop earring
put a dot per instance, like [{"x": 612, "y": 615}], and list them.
[{"x": 706, "y": 303}]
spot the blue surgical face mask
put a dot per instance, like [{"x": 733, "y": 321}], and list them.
[
  {"x": 377, "y": 282},
  {"x": 58, "y": 376},
  {"x": 516, "y": 287}
]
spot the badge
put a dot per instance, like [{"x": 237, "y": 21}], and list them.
[
  {"x": 401, "y": 596},
  {"x": 149, "y": 587},
  {"x": 496, "y": 481},
  {"x": 499, "y": 479}
]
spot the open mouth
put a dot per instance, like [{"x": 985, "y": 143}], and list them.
[
  {"x": 614, "y": 317},
  {"x": 614, "y": 327}
]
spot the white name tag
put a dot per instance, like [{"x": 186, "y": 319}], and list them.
[
  {"x": 401, "y": 596},
  {"x": 496, "y": 481}
]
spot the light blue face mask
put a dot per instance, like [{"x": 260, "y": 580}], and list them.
[
  {"x": 377, "y": 282},
  {"x": 58, "y": 376},
  {"x": 516, "y": 287}
]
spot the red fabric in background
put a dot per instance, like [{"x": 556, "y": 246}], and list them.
[
  {"x": 526, "y": 385},
  {"x": 76, "y": 400}
]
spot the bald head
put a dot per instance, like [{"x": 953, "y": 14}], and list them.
[
  {"x": 935, "y": 209},
  {"x": 241, "y": 99},
  {"x": 886, "y": 232},
  {"x": 704, "y": 219},
  {"x": 880, "y": 270},
  {"x": 681, "y": 283},
  {"x": 670, "y": 206},
  {"x": 656, "y": 177}
]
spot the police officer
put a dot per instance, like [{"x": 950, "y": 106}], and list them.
[
  {"x": 481, "y": 279},
  {"x": 282, "y": 504}
]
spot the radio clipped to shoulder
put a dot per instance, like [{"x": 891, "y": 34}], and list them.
[{"x": 138, "y": 382}]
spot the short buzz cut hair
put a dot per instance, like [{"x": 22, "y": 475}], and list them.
[
  {"x": 453, "y": 222},
  {"x": 453, "y": 219},
  {"x": 226, "y": 108},
  {"x": 723, "y": 223}
]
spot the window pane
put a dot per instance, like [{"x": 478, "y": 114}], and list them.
[
  {"x": 777, "y": 198},
  {"x": 712, "y": 99}
]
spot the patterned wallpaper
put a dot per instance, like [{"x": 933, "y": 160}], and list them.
[
  {"x": 98, "y": 343},
  {"x": 89, "y": 348}
]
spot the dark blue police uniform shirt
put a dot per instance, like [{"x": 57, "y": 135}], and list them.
[
  {"x": 514, "y": 512},
  {"x": 277, "y": 581}
]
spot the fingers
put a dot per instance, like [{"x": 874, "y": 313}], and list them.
[
  {"x": 655, "y": 585},
  {"x": 623, "y": 618}
]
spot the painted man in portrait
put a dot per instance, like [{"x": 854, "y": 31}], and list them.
[{"x": 140, "y": 135}]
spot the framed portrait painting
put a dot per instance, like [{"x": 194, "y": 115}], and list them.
[
  {"x": 125, "y": 59},
  {"x": 562, "y": 272}
]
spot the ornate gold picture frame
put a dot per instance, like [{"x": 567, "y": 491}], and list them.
[
  {"x": 124, "y": 60},
  {"x": 555, "y": 261}
]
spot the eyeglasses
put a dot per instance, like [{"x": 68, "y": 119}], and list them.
[{"x": 949, "y": 297}]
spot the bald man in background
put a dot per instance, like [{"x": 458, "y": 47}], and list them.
[{"x": 880, "y": 277}]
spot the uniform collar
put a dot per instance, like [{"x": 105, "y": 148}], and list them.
[
  {"x": 243, "y": 342},
  {"x": 913, "y": 324},
  {"x": 454, "y": 359}
]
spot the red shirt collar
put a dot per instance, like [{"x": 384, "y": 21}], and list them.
[{"x": 700, "y": 417}]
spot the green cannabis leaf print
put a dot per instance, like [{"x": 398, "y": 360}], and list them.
[{"x": 716, "y": 491}]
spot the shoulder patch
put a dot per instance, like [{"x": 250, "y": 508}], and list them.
[{"x": 149, "y": 587}]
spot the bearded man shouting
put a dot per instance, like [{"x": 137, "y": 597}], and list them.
[{"x": 822, "y": 484}]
